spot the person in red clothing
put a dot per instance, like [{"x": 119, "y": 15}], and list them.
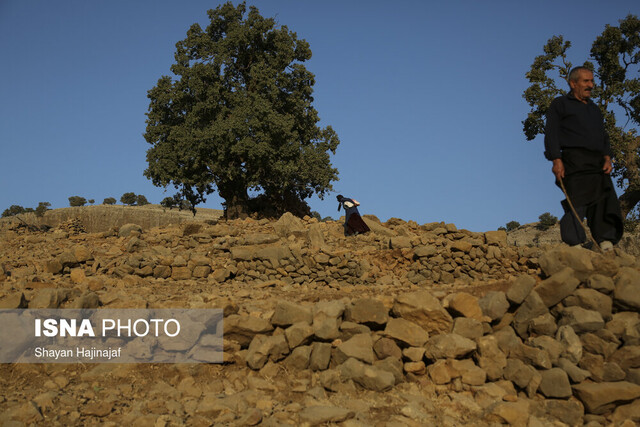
[{"x": 353, "y": 222}]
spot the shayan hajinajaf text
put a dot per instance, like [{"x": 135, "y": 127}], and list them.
[{"x": 80, "y": 353}]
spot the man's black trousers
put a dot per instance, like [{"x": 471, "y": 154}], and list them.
[{"x": 593, "y": 195}]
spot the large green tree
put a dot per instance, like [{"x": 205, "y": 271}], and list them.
[
  {"x": 615, "y": 56},
  {"x": 238, "y": 118}
]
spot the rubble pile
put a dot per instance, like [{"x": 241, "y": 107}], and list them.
[
  {"x": 565, "y": 348},
  {"x": 406, "y": 325}
]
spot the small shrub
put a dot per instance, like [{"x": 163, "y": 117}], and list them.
[
  {"x": 512, "y": 225},
  {"x": 109, "y": 201},
  {"x": 141, "y": 200},
  {"x": 168, "y": 202},
  {"x": 13, "y": 210},
  {"x": 77, "y": 201},
  {"x": 502, "y": 229},
  {"x": 547, "y": 221},
  {"x": 42, "y": 208},
  {"x": 129, "y": 199},
  {"x": 91, "y": 201}
]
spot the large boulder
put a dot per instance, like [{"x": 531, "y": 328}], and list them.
[
  {"x": 425, "y": 310},
  {"x": 288, "y": 225}
]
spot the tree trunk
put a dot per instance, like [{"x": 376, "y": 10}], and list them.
[
  {"x": 236, "y": 200},
  {"x": 628, "y": 201}
]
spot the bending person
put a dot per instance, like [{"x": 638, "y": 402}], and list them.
[{"x": 353, "y": 222}]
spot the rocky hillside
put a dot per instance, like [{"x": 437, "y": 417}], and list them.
[
  {"x": 98, "y": 218},
  {"x": 406, "y": 325}
]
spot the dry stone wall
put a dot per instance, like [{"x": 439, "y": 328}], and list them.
[{"x": 533, "y": 336}]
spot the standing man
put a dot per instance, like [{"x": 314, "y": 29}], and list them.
[{"x": 578, "y": 145}]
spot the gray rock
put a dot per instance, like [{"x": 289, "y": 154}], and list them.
[
  {"x": 67, "y": 259},
  {"x": 494, "y": 304},
  {"x": 626, "y": 293},
  {"x": 258, "y": 352},
  {"x": 287, "y": 313},
  {"x": 520, "y": 289},
  {"x": 258, "y": 239},
  {"x": 532, "y": 307},
  {"x": 575, "y": 257},
  {"x": 327, "y": 317},
  {"x": 386, "y": 347},
  {"x": 405, "y": 332},
  {"x": 570, "y": 412},
  {"x": 490, "y": 358},
  {"x": 288, "y": 224},
  {"x": 581, "y": 320},
  {"x": 596, "y": 345},
  {"x": 126, "y": 230},
  {"x": 553, "y": 347},
  {"x": 49, "y": 298},
  {"x": 299, "y": 358},
  {"x": 242, "y": 329},
  {"x": 518, "y": 372},
  {"x": 508, "y": 341},
  {"x": 400, "y": 242},
  {"x": 448, "y": 346},
  {"x": 466, "y": 305},
  {"x": 633, "y": 375},
  {"x": 498, "y": 238},
  {"x": 591, "y": 299},
  {"x": 316, "y": 237},
  {"x": 557, "y": 287},
  {"x": 599, "y": 398},
  {"x": 392, "y": 365},
  {"x": 623, "y": 324},
  {"x": 571, "y": 342},
  {"x": 601, "y": 283},
  {"x": 555, "y": 384},
  {"x": 320, "y": 356},
  {"x": 425, "y": 251},
  {"x": 350, "y": 329},
  {"x": 468, "y": 328},
  {"x": 576, "y": 374},
  {"x": 413, "y": 354},
  {"x": 627, "y": 357},
  {"x": 86, "y": 300},
  {"x": 359, "y": 347},
  {"x": 470, "y": 374},
  {"x": 543, "y": 325},
  {"x": 425, "y": 310},
  {"x": 13, "y": 301},
  {"x": 367, "y": 311},
  {"x": 317, "y": 415},
  {"x": 376, "y": 227},
  {"x": 299, "y": 333},
  {"x": 275, "y": 254},
  {"x": 369, "y": 377},
  {"x": 537, "y": 357}
]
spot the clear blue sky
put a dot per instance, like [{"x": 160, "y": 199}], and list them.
[{"x": 425, "y": 96}]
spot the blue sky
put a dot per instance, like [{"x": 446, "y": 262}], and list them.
[{"x": 426, "y": 98}]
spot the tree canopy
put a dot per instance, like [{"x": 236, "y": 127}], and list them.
[
  {"x": 76, "y": 201},
  {"x": 615, "y": 56},
  {"x": 238, "y": 118}
]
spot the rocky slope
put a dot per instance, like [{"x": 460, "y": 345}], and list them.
[
  {"x": 407, "y": 325},
  {"x": 98, "y": 218}
]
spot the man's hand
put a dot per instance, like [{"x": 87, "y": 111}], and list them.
[
  {"x": 608, "y": 166},
  {"x": 558, "y": 168}
]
